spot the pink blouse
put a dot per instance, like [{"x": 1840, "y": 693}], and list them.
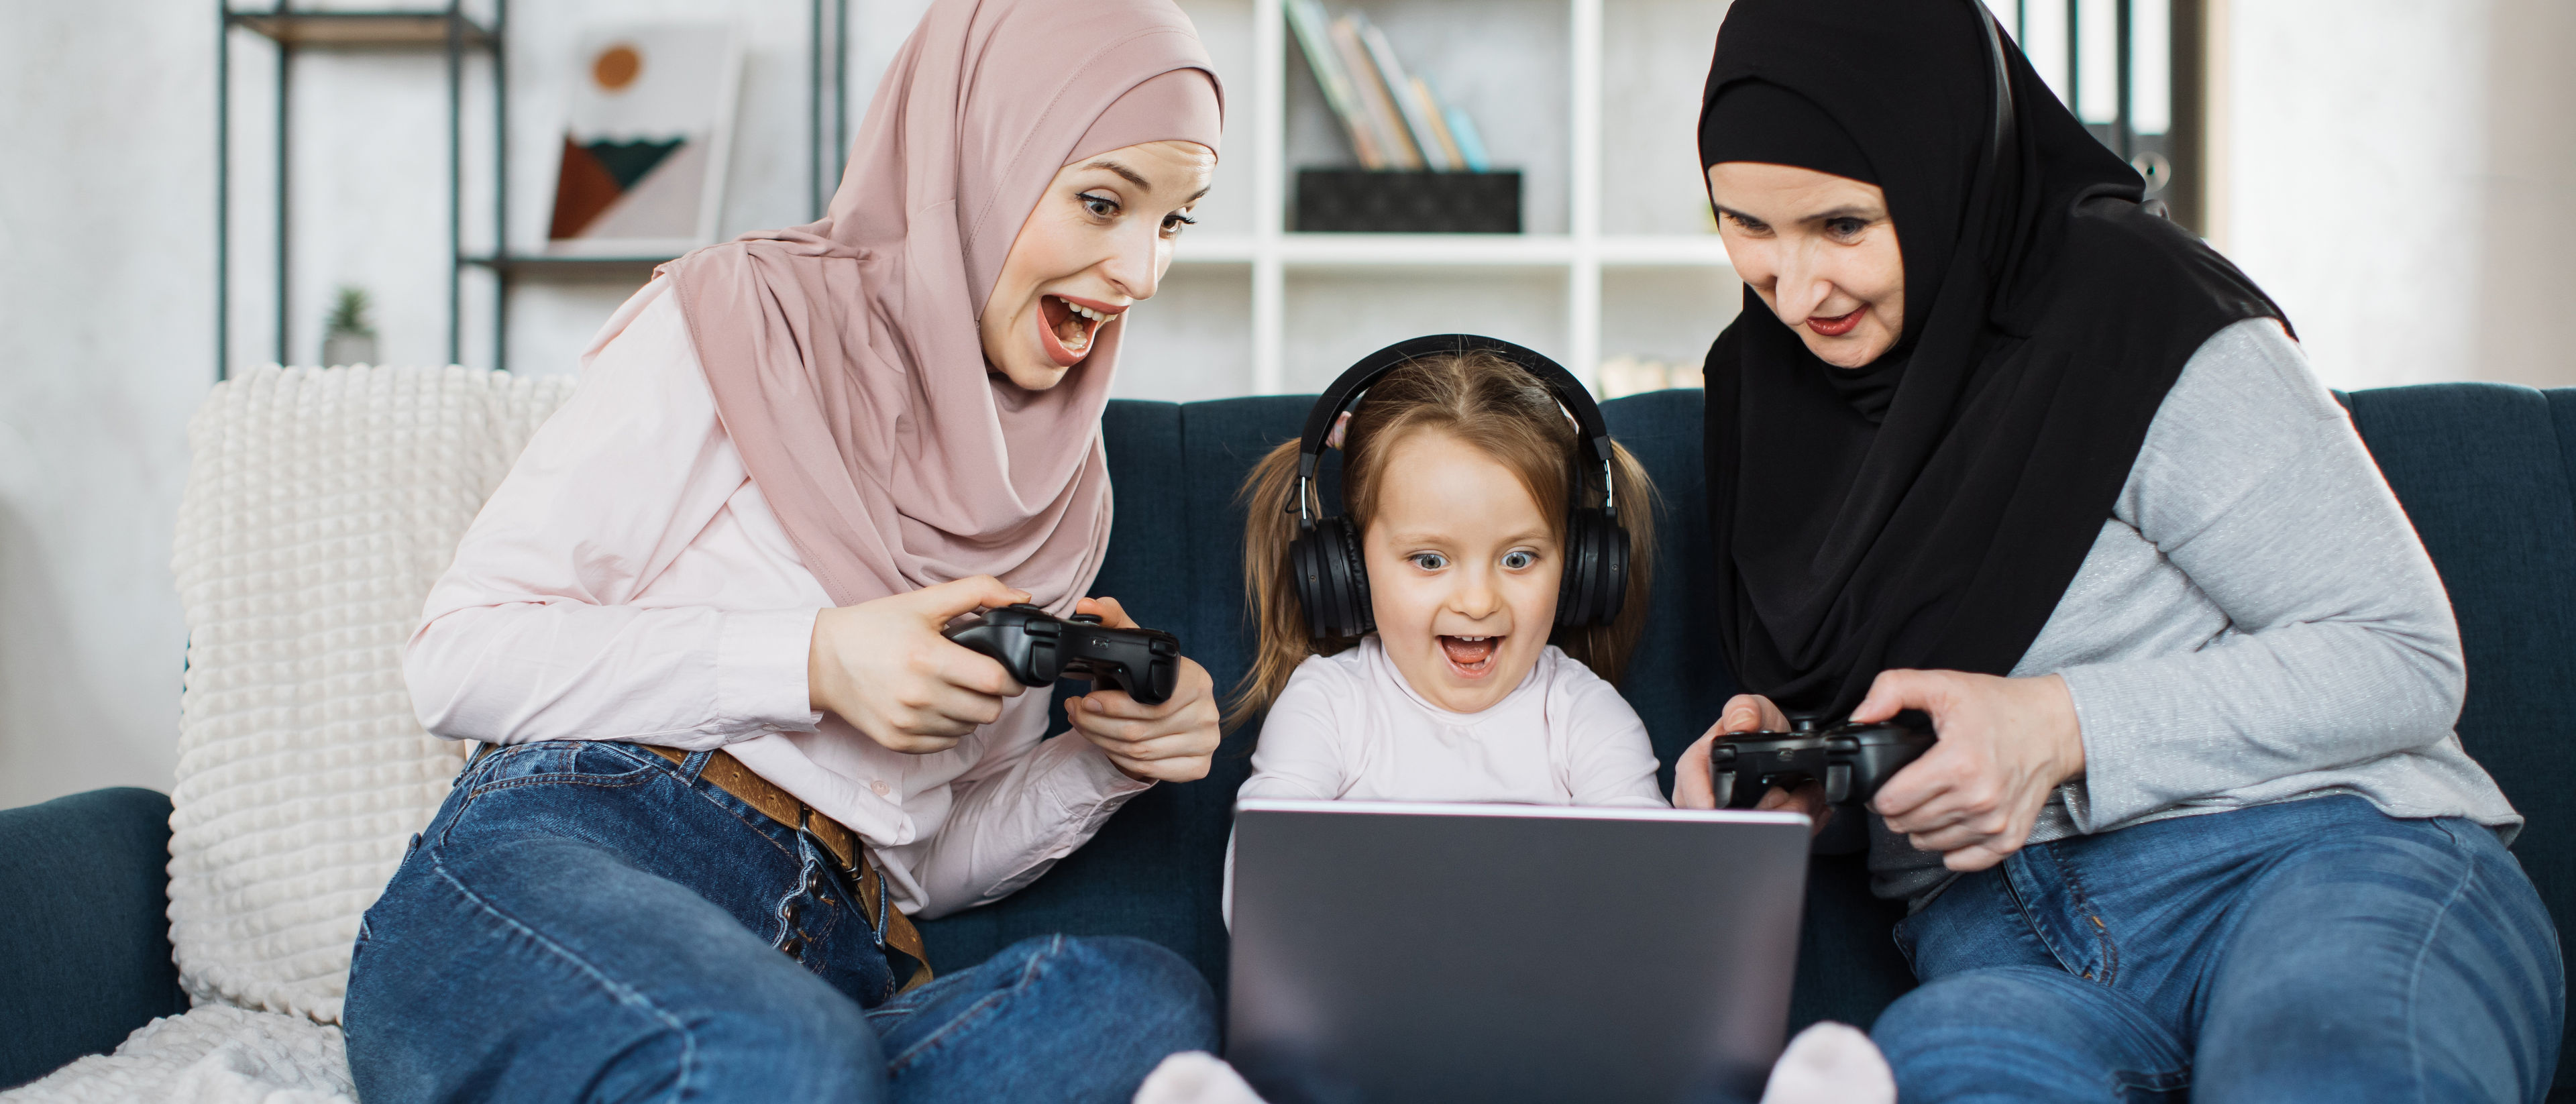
[{"x": 628, "y": 582}]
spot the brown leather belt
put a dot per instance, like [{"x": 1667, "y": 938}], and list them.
[{"x": 846, "y": 848}]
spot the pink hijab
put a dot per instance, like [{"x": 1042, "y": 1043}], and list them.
[{"x": 843, "y": 353}]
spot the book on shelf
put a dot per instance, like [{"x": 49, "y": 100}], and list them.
[
  {"x": 1377, "y": 99},
  {"x": 1307, "y": 19},
  {"x": 1471, "y": 145},
  {"x": 1430, "y": 103},
  {"x": 1395, "y": 120},
  {"x": 1409, "y": 96}
]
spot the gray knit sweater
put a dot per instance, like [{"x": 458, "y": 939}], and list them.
[{"x": 2257, "y": 623}]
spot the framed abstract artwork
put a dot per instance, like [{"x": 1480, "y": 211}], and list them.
[{"x": 645, "y": 146}]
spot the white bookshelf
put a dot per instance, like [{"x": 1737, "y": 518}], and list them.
[{"x": 1595, "y": 101}]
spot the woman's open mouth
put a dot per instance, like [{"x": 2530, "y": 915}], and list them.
[
  {"x": 1067, "y": 328},
  {"x": 1838, "y": 325},
  {"x": 1470, "y": 657}
]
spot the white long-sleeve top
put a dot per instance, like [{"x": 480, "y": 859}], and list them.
[
  {"x": 1347, "y": 727},
  {"x": 628, "y": 582}
]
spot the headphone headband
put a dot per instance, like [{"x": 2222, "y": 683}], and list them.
[
  {"x": 1353, "y": 384},
  {"x": 2000, "y": 137}
]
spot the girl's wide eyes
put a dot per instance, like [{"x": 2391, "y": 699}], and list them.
[
  {"x": 1429, "y": 561},
  {"x": 1100, "y": 206},
  {"x": 1519, "y": 559}
]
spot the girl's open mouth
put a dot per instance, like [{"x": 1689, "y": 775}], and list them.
[
  {"x": 1067, "y": 328},
  {"x": 1470, "y": 657}
]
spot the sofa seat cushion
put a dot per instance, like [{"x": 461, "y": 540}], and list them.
[{"x": 212, "y": 1054}]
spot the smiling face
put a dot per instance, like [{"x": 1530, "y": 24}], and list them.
[
  {"x": 1821, "y": 252},
  {"x": 1096, "y": 244},
  {"x": 1463, "y": 567}
]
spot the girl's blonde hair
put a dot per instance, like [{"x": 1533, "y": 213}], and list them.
[{"x": 1487, "y": 402}]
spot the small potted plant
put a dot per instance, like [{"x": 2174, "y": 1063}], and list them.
[{"x": 348, "y": 337}]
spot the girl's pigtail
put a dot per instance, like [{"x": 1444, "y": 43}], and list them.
[{"x": 1278, "y": 618}]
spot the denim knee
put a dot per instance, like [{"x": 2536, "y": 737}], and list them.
[
  {"x": 2027, "y": 1033},
  {"x": 779, "y": 1042},
  {"x": 1937, "y": 1013},
  {"x": 1175, "y": 1007}
]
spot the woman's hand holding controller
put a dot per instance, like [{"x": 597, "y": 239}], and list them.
[
  {"x": 883, "y": 666},
  {"x": 1171, "y": 742},
  {"x": 1744, "y": 713},
  {"x": 2005, "y": 743}
]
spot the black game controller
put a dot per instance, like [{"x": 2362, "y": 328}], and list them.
[
  {"x": 1037, "y": 647},
  {"x": 1851, "y": 760}
]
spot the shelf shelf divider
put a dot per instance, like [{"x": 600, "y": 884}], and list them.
[
  {"x": 362, "y": 30},
  {"x": 1269, "y": 195}
]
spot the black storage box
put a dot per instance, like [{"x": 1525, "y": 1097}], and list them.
[{"x": 1396, "y": 202}]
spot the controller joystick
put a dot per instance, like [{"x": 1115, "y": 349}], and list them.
[
  {"x": 1850, "y": 760},
  {"x": 1037, "y": 648}
]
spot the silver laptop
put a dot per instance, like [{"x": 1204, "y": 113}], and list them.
[{"x": 1398, "y": 952}]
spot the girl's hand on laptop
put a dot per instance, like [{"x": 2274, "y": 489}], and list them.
[
  {"x": 1744, "y": 713},
  {"x": 2005, "y": 744},
  {"x": 1171, "y": 742}
]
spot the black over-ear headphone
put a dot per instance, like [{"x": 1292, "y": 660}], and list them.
[
  {"x": 2000, "y": 130},
  {"x": 1324, "y": 557}
]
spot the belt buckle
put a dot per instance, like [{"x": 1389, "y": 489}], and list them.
[{"x": 856, "y": 868}]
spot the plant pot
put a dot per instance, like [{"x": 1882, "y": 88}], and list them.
[{"x": 348, "y": 348}]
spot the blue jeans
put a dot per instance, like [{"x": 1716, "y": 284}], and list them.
[
  {"x": 2312, "y": 950},
  {"x": 589, "y": 921}
]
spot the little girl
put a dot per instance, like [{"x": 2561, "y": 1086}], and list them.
[
  {"x": 1463, "y": 476},
  {"x": 1461, "y": 473}
]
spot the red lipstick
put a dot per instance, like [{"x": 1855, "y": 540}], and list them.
[{"x": 1838, "y": 325}]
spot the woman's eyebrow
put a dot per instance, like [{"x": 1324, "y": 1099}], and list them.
[
  {"x": 1850, "y": 211},
  {"x": 1132, "y": 176}
]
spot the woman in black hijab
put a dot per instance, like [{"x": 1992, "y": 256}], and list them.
[{"x": 1991, "y": 442}]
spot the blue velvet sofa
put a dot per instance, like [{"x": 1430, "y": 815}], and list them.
[{"x": 2483, "y": 469}]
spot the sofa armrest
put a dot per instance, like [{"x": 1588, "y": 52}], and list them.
[{"x": 85, "y": 900}]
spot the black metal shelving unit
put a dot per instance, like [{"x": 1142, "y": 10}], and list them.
[
  {"x": 456, "y": 33},
  {"x": 2170, "y": 161}
]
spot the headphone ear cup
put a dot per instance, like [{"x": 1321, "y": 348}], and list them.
[
  {"x": 1306, "y": 575},
  {"x": 1574, "y": 591},
  {"x": 1613, "y": 578},
  {"x": 1331, "y": 580},
  {"x": 1361, "y": 617},
  {"x": 1596, "y": 570}
]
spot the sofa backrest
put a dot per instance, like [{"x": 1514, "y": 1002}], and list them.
[{"x": 2484, "y": 471}]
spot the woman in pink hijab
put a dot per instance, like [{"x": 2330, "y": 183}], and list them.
[{"x": 725, "y": 749}]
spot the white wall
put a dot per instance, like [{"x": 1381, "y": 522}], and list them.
[
  {"x": 2402, "y": 176},
  {"x": 105, "y": 338}
]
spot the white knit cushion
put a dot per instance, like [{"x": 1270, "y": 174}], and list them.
[
  {"x": 320, "y": 506},
  {"x": 211, "y": 1055}
]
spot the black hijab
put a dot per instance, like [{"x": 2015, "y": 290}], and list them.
[{"x": 1928, "y": 510}]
